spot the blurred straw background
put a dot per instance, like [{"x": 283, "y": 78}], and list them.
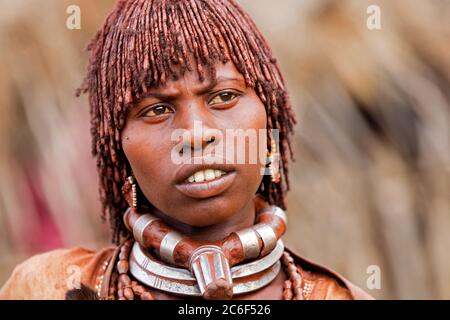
[{"x": 371, "y": 182}]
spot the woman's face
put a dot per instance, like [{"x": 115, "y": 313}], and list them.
[{"x": 175, "y": 123}]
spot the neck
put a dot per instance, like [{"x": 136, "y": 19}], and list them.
[{"x": 244, "y": 218}]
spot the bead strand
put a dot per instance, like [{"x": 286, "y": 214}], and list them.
[
  {"x": 307, "y": 289},
  {"x": 127, "y": 289},
  {"x": 287, "y": 290},
  {"x": 294, "y": 276},
  {"x": 124, "y": 282},
  {"x": 100, "y": 276},
  {"x": 112, "y": 286}
]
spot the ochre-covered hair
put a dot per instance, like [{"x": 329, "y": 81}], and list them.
[{"x": 143, "y": 44}]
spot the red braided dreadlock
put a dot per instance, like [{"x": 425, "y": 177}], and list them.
[{"x": 141, "y": 44}]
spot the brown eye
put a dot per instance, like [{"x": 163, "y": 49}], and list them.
[
  {"x": 224, "y": 97},
  {"x": 157, "y": 111}
]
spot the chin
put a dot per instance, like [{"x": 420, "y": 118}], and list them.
[{"x": 207, "y": 212}]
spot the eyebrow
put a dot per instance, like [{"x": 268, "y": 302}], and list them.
[{"x": 208, "y": 87}]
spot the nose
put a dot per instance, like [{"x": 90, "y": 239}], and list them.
[
  {"x": 197, "y": 141},
  {"x": 199, "y": 128}
]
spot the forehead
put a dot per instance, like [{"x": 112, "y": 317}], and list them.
[{"x": 191, "y": 79}]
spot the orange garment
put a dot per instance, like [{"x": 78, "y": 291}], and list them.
[{"x": 50, "y": 275}]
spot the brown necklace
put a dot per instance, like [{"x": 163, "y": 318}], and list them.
[
  {"x": 122, "y": 287},
  {"x": 210, "y": 262}
]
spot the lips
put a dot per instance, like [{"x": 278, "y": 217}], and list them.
[{"x": 204, "y": 180}]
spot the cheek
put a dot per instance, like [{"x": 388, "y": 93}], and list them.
[
  {"x": 256, "y": 118},
  {"x": 146, "y": 152},
  {"x": 253, "y": 113},
  {"x": 253, "y": 116}
]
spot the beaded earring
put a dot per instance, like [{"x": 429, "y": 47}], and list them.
[{"x": 129, "y": 191}]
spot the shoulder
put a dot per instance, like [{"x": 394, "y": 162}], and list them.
[
  {"x": 321, "y": 283},
  {"x": 51, "y": 274}
]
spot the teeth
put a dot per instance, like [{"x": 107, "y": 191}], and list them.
[
  {"x": 199, "y": 176},
  {"x": 208, "y": 174}
]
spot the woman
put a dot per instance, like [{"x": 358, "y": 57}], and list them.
[{"x": 169, "y": 82}]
